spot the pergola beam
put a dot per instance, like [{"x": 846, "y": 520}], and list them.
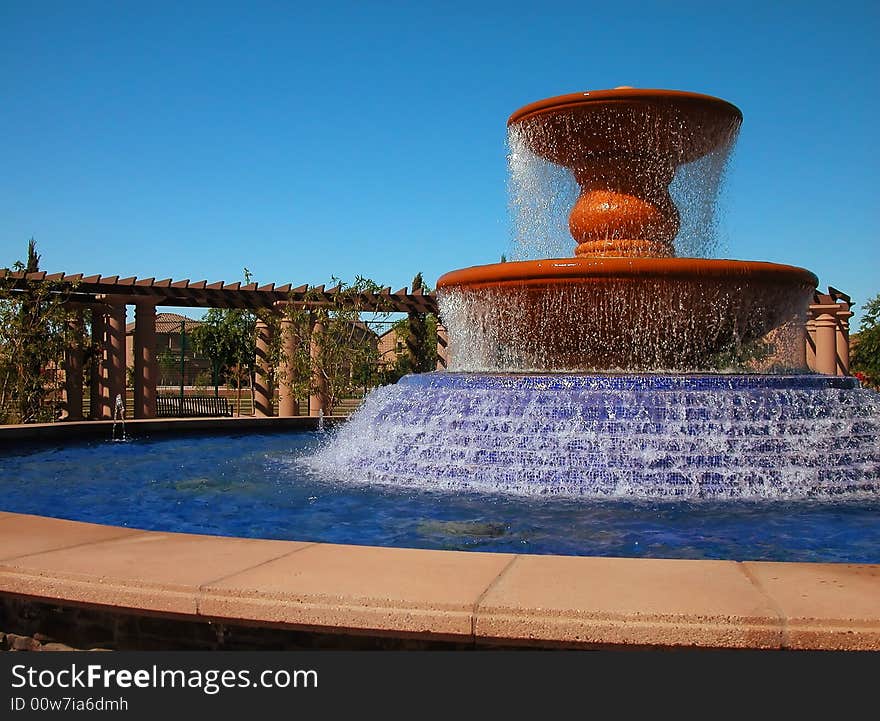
[{"x": 201, "y": 294}]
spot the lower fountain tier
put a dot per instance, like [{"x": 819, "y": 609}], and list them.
[
  {"x": 615, "y": 436},
  {"x": 625, "y": 314}
]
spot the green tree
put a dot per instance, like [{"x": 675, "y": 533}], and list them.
[
  {"x": 169, "y": 363},
  {"x": 35, "y": 331},
  {"x": 226, "y": 337},
  {"x": 865, "y": 356},
  {"x": 347, "y": 349},
  {"x": 348, "y": 352},
  {"x": 418, "y": 333},
  {"x": 32, "y": 265},
  {"x": 418, "y": 351}
]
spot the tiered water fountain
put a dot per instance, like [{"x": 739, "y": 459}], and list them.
[{"x": 624, "y": 370}]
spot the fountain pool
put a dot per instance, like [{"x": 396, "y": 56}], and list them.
[{"x": 258, "y": 486}]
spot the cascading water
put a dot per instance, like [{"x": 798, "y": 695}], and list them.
[
  {"x": 541, "y": 194},
  {"x": 624, "y": 371},
  {"x": 517, "y": 329},
  {"x": 615, "y": 436}
]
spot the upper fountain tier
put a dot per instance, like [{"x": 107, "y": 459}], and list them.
[
  {"x": 623, "y": 147},
  {"x": 624, "y": 304}
]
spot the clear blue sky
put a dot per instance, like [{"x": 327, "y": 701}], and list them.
[{"x": 190, "y": 139}]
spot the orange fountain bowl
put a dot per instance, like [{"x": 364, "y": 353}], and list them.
[
  {"x": 674, "y": 125},
  {"x": 618, "y": 314}
]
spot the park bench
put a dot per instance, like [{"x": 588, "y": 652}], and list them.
[{"x": 192, "y": 406}]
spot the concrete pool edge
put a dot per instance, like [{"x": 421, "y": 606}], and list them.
[{"x": 470, "y": 598}]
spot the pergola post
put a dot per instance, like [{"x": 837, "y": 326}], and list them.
[
  {"x": 442, "y": 347},
  {"x": 146, "y": 365},
  {"x": 98, "y": 395},
  {"x": 825, "y": 323},
  {"x": 262, "y": 389},
  {"x": 115, "y": 348},
  {"x": 810, "y": 341},
  {"x": 73, "y": 369},
  {"x": 287, "y": 402},
  {"x": 318, "y": 395},
  {"x": 842, "y": 340}
]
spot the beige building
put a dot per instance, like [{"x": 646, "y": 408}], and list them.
[{"x": 389, "y": 345}]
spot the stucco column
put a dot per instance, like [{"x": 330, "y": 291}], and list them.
[
  {"x": 115, "y": 353},
  {"x": 826, "y": 339},
  {"x": 442, "y": 347},
  {"x": 287, "y": 403},
  {"x": 73, "y": 368},
  {"x": 146, "y": 365},
  {"x": 811, "y": 342},
  {"x": 318, "y": 396},
  {"x": 98, "y": 395},
  {"x": 262, "y": 390},
  {"x": 842, "y": 340}
]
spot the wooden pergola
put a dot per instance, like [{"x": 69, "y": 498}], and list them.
[{"x": 108, "y": 296}]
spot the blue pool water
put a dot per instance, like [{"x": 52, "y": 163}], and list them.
[{"x": 254, "y": 485}]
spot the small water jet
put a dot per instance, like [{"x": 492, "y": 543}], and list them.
[
  {"x": 118, "y": 420},
  {"x": 623, "y": 371}
]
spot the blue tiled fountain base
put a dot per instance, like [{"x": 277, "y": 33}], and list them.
[{"x": 795, "y": 436}]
